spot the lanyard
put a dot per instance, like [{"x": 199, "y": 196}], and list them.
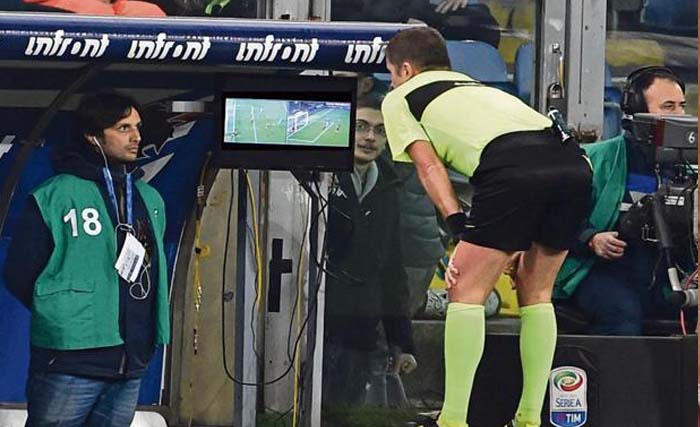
[{"x": 112, "y": 195}]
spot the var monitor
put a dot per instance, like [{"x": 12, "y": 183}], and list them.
[{"x": 288, "y": 123}]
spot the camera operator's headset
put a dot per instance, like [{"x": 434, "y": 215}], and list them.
[{"x": 633, "y": 100}]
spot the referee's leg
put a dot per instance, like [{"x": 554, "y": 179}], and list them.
[
  {"x": 479, "y": 268},
  {"x": 535, "y": 276}
]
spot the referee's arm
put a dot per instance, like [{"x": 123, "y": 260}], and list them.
[{"x": 433, "y": 176}]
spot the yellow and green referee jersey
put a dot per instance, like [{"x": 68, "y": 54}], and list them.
[{"x": 457, "y": 114}]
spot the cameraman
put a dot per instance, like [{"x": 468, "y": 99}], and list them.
[{"x": 609, "y": 279}]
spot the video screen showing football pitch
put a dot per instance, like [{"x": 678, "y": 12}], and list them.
[{"x": 272, "y": 121}]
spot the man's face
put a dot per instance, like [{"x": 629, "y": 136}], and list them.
[
  {"x": 121, "y": 140},
  {"x": 665, "y": 96},
  {"x": 370, "y": 137},
  {"x": 399, "y": 74}
]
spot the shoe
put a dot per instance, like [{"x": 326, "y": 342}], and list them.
[
  {"x": 426, "y": 420},
  {"x": 436, "y": 304}
]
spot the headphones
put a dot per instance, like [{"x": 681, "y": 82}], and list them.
[
  {"x": 96, "y": 141},
  {"x": 633, "y": 100}
]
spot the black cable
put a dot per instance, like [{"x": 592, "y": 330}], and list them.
[
  {"x": 314, "y": 301},
  {"x": 689, "y": 187},
  {"x": 223, "y": 283},
  {"x": 319, "y": 274},
  {"x": 341, "y": 275},
  {"x": 692, "y": 247},
  {"x": 655, "y": 271},
  {"x": 280, "y": 419},
  {"x": 223, "y": 311},
  {"x": 309, "y": 311}
]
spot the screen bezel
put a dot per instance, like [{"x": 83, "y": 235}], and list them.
[{"x": 283, "y": 156}]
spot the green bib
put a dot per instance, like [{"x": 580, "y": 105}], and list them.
[
  {"x": 76, "y": 297},
  {"x": 609, "y": 159}
]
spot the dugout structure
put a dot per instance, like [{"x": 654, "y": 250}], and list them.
[{"x": 48, "y": 60}]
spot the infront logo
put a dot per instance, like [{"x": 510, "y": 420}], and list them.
[
  {"x": 366, "y": 53},
  {"x": 268, "y": 50},
  {"x": 162, "y": 48},
  {"x": 59, "y": 45}
]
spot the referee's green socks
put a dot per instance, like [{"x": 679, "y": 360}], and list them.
[
  {"x": 538, "y": 339},
  {"x": 464, "y": 345}
]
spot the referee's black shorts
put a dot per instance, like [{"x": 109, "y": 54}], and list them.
[{"x": 529, "y": 187}]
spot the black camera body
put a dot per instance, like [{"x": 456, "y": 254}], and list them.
[
  {"x": 668, "y": 217},
  {"x": 675, "y": 137},
  {"x": 679, "y": 211},
  {"x": 676, "y": 140}
]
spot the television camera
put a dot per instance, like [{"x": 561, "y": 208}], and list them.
[{"x": 669, "y": 217}]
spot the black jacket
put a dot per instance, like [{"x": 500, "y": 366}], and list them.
[
  {"x": 366, "y": 282},
  {"x": 136, "y": 317}
]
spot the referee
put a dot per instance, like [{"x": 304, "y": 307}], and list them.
[{"x": 531, "y": 191}]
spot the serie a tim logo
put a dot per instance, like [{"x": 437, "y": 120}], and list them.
[{"x": 568, "y": 406}]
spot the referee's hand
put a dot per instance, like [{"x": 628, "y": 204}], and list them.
[
  {"x": 451, "y": 274},
  {"x": 607, "y": 246}
]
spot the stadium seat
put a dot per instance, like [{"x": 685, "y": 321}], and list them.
[
  {"x": 477, "y": 59},
  {"x": 674, "y": 16},
  {"x": 481, "y": 61},
  {"x": 524, "y": 64},
  {"x": 612, "y": 115},
  {"x": 383, "y": 77},
  {"x": 611, "y": 93}
]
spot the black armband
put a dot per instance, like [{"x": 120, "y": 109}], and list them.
[{"x": 457, "y": 223}]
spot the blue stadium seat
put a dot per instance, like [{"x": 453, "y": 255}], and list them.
[
  {"x": 383, "y": 77},
  {"x": 477, "y": 59},
  {"x": 524, "y": 69},
  {"x": 481, "y": 61},
  {"x": 611, "y": 93},
  {"x": 674, "y": 16},
  {"x": 612, "y": 115}
]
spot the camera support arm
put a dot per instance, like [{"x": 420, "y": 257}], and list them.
[{"x": 663, "y": 235}]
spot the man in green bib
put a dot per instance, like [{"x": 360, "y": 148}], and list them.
[
  {"x": 87, "y": 259},
  {"x": 531, "y": 192}
]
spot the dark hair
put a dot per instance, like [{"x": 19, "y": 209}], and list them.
[
  {"x": 423, "y": 47},
  {"x": 633, "y": 100},
  {"x": 370, "y": 100},
  {"x": 100, "y": 111}
]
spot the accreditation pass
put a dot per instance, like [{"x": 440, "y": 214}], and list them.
[{"x": 130, "y": 258}]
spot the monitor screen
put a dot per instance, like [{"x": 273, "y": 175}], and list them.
[
  {"x": 307, "y": 125},
  {"x": 279, "y": 121}
]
